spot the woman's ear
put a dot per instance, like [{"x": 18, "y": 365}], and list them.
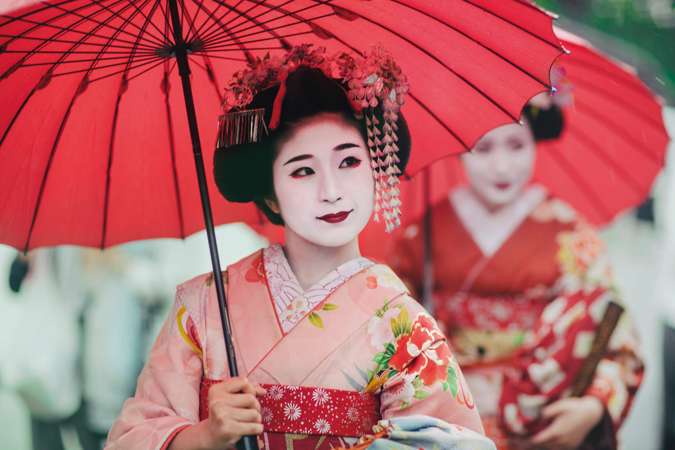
[{"x": 273, "y": 205}]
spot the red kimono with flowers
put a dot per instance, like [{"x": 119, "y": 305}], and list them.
[{"x": 519, "y": 297}]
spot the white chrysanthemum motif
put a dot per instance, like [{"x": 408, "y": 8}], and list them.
[
  {"x": 353, "y": 414},
  {"x": 275, "y": 392},
  {"x": 266, "y": 414},
  {"x": 401, "y": 391},
  {"x": 512, "y": 420},
  {"x": 292, "y": 411},
  {"x": 322, "y": 426},
  {"x": 379, "y": 329},
  {"x": 320, "y": 396}
]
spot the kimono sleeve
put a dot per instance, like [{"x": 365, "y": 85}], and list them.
[
  {"x": 419, "y": 372},
  {"x": 552, "y": 357},
  {"x": 620, "y": 373},
  {"x": 167, "y": 394}
]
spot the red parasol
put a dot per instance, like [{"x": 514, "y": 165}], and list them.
[
  {"x": 615, "y": 139},
  {"x": 94, "y": 131}
]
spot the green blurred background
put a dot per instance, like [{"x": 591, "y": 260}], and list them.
[{"x": 639, "y": 32}]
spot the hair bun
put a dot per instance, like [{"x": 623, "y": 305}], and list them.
[
  {"x": 545, "y": 124},
  {"x": 240, "y": 173}
]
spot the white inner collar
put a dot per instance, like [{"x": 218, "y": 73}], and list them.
[
  {"x": 490, "y": 230},
  {"x": 290, "y": 301}
]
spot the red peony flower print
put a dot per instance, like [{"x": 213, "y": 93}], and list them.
[
  {"x": 423, "y": 352},
  {"x": 436, "y": 368}
]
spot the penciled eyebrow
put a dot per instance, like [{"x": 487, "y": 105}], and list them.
[
  {"x": 298, "y": 158},
  {"x": 344, "y": 146},
  {"x": 337, "y": 148}
]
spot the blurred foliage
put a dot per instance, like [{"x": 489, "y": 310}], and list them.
[{"x": 646, "y": 25}]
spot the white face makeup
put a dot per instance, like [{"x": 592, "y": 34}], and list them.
[
  {"x": 323, "y": 181},
  {"x": 501, "y": 164}
]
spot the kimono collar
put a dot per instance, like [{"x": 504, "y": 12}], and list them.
[
  {"x": 290, "y": 300},
  {"x": 490, "y": 230}
]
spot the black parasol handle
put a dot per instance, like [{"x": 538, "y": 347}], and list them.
[{"x": 180, "y": 53}]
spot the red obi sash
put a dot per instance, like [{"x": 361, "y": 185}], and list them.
[{"x": 310, "y": 410}]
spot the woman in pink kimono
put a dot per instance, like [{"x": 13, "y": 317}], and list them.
[
  {"x": 329, "y": 342},
  {"x": 520, "y": 285}
]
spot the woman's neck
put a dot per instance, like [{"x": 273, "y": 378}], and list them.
[
  {"x": 490, "y": 207},
  {"x": 311, "y": 262}
]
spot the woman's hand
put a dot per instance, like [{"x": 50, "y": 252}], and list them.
[
  {"x": 234, "y": 411},
  {"x": 571, "y": 421}
]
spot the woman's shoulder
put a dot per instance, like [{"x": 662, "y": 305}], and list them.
[
  {"x": 192, "y": 287},
  {"x": 380, "y": 275},
  {"x": 197, "y": 288},
  {"x": 192, "y": 296},
  {"x": 412, "y": 305},
  {"x": 554, "y": 209},
  {"x": 205, "y": 280}
]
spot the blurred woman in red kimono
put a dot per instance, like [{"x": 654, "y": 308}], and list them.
[{"x": 520, "y": 284}]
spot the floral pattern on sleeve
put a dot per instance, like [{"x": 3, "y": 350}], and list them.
[
  {"x": 188, "y": 331},
  {"x": 583, "y": 260},
  {"x": 412, "y": 354}
]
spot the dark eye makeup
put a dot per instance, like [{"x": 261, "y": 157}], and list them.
[
  {"x": 301, "y": 172},
  {"x": 346, "y": 163},
  {"x": 350, "y": 161},
  {"x": 483, "y": 147},
  {"x": 516, "y": 145}
]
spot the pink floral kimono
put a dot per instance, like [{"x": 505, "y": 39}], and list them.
[{"x": 335, "y": 359}]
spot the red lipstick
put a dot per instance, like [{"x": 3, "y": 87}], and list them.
[
  {"x": 502, "y": 186},
  {"x": 335, "y": 218}
]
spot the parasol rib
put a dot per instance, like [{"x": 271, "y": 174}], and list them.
[
  {"x": 39, "y": 82},
  {"x": 57, "y": 139},
  {"x": 113, "y": 128}
]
